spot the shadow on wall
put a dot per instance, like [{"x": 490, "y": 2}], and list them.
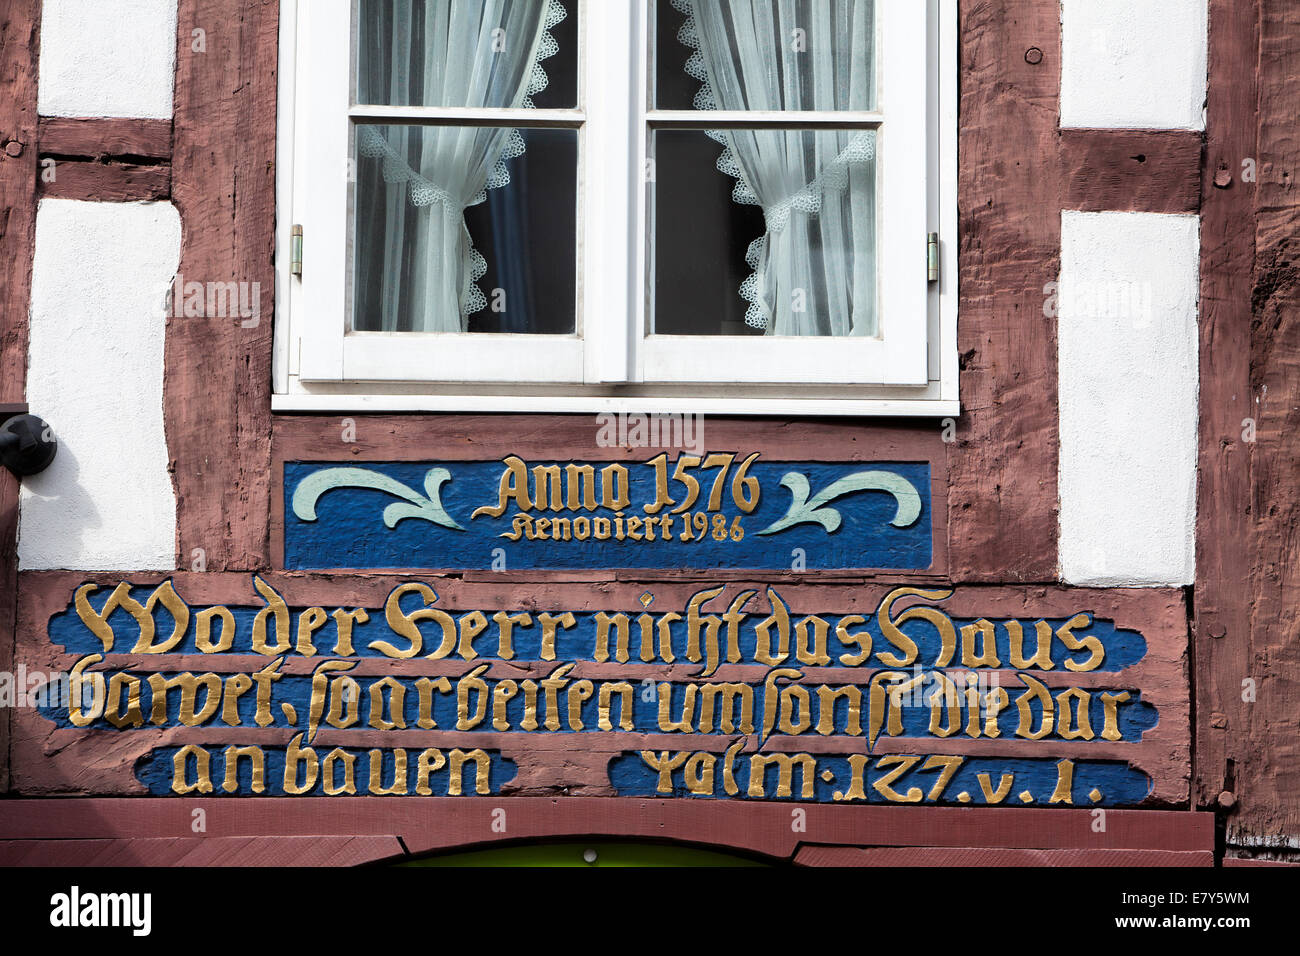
[{"x": 55, "y": 514}]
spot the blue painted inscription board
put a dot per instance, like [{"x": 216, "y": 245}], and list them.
[
  {"x": 717, "y": 510},
  {"x": 857, "y": 693}
]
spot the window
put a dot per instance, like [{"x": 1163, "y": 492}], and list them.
[{"x": 567, "y": 204}]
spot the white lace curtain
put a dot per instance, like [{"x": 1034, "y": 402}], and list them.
[
  {"x": 814, "y": 268},
  {"x": 455, "y": 53}
]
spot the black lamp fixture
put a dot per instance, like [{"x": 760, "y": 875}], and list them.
[{"x": 27, "y": 443}]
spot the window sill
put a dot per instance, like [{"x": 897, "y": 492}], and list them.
[{"x": 921, "y": 403}]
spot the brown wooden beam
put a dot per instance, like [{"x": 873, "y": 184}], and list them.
[
  {"x": 1262, "y": 739},
  {"x": 106, "y": 138},
  {"x": 105, "y": 160},
  {"x": 314, "y": 851},
  {"x": 1003, "y": 502},
  {"x": 106, "y": 181},
  {"x": 1221, "y": 647},
  {"x": 1131, "y": 170},
  {"x": 153, "y": 826},
  {"x": 19, "y": 46},
  {"x": 217, "y": 383}
]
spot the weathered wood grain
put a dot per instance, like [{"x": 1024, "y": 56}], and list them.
[
  {"x": 64, "y": 137},
  {"x": 1264, "y": 741},
  {"x": 105, "y": 160},
  {"x": 1002, "y": 503},
  {"x": 217, "y": 385},
  {"x": 1131, "y": 170},
  {"x": 471, "y": 437},
  {"x": 96, "y": 181},
  {"x": 1224, "y": 559},
  {"x": 19, "y": 48}
]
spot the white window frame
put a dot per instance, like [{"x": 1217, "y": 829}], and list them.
[{"x": 610, "y": 365}]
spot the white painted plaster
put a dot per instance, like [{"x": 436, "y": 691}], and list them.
[
  {"x": 95, "y": 373},
  {"x": 1134, "y": 64},
  {"x": 108, "y": 58},
  {"x": 1129, "y": 383}
]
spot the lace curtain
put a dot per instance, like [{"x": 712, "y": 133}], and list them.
[
  {"x": 814, "y": 268},
  {"x": 453, "y": 53}
]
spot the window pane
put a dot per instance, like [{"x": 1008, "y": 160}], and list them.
[
  {"x": 765, "y": 54},
  {"x": 700, "y": 240},
  {"x": 467, "y": 53},
  {"x": 465, "y": 229},
  {"x": 782, "y": 244}
]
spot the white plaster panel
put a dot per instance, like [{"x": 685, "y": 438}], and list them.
[
  {"x": 1134, "y": 64},
  {"x": 1129, "y": 384},
  {"x": 107, "y": 58},
  {"x": 95, "y": 374}
]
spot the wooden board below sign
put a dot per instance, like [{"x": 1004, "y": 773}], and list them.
[{"x": 159, "y": 831}]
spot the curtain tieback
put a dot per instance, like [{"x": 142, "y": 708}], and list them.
[
  {"x": 834, "y": 178},
  {"x": 422, "y": 191}
]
